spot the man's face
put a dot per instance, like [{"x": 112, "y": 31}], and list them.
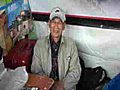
[{"x": 56, "y": 27}]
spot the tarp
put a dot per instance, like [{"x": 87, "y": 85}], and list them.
[{"x": 97, "y": 8}]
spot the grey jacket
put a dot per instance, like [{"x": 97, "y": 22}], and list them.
[{"x": 68, "y": 61}]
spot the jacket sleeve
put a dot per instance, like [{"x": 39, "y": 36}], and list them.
[
  {"x": 36, "y": 66},
  {"x": 74, "y": 71}
]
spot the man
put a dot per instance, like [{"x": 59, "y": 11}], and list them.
[{"x": 56, "y": 56}]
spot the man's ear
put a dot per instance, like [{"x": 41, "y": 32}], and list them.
[
  {"x": 64, "y": 24},
  {"x": 49, "y": 23}
]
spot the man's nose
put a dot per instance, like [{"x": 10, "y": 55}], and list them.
[{"x": 56, "y": 25}]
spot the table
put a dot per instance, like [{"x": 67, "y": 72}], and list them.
[{"x": 42, "y": 82}]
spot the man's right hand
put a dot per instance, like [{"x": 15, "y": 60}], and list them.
[{"x": 58, "y": 85}]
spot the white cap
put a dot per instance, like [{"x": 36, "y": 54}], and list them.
[{"x": 57, "y": 12}]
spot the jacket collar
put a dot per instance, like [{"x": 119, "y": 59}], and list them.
[{"x": 48, "y": 39}]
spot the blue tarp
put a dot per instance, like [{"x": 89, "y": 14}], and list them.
[{"x": 114, "y": 84}]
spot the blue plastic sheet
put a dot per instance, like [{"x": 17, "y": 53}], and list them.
[{"x": 114, "y": 84}]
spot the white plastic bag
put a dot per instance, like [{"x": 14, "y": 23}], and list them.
[{"x": 14, "y": 79}]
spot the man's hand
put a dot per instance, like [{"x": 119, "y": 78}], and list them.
[{"x": 59, "y": 85}]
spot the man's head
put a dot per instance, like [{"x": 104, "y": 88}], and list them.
[{"x": 57, "y": 22}]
